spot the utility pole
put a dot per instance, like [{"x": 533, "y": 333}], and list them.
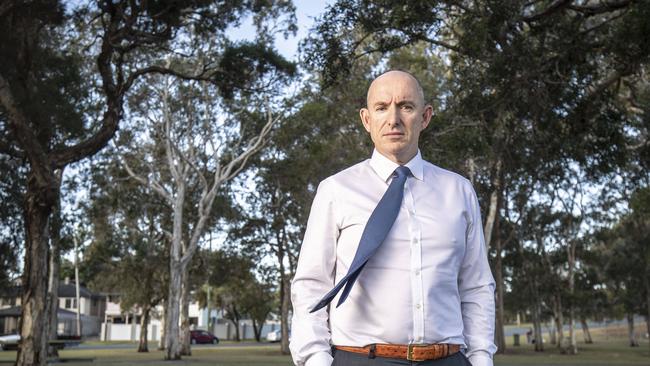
[{"x": 76, "y": 282}]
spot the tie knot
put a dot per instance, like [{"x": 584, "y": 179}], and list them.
[{"x": 402, "y": 171}]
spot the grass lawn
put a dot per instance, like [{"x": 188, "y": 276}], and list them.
[{"x": 609, "y": 349}]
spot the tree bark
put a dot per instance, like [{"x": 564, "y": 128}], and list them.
[
  {"x": 40, "y": 198},
  {"x": 630, "y": 330},
  {"x": 647, "y": 300},
  {"x": 144, "y": 324},
  {"x": 234, "y": 318},
  {"x": 572, "y": 346},
  {"x": 585, "y": 330},
  {"x": 284, "y": 320},
  {"x": 285, "y": 296},
  {"x": 172, "y": 346},
  {"x": 490, "y": 221},
  {"x": 186, "y": 348},
  {"x": 257, "y": 330},
  {"x": 537, "y": 328},
  {"x": 559, "y": 319},
  {"x": 176, "y": 270},
  {"x": 500, "y": 338},
  {"x": 163, "y": 341},
  {"x": 53, "y": 280}
]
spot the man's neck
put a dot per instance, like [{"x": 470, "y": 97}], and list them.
[{"x": 400, "y": 159}]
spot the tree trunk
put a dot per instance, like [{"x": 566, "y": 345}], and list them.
[
  {"x": 572, "y": 346},
  {"x": 585, "y": 330},
  {"x": 630, "y": 330},
  {"x": 551, "y": 332},
  {"x": 176, "y": 270},
  {"x": 284, "y": 320},
  {"x": 257, "y": 330},
  {"x": 162, "y": 341},
  {"x": 40, "y": 199},
  {"x": 185, "y": 340},
  {"x": 235, "y": 321},
  {"x": 647, "y": 300},
  {"x": 537, "y": 329},
  {"x": 559, "y": 319},
  {"x": 285, "y": 298},
  {"x": 173, "y": 313},
  {"x": 490, "y": 222},
  {"x": 144, "y": 324},
  {"x": 53, "y": 280},
  {"x": 500, "y": 338}
]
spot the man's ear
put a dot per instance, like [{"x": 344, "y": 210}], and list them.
[
  {"x": 364, "y": 113},
  {"x": 426, "y": 115}
]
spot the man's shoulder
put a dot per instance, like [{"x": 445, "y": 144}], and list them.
[
  {"x": 354, "y": 171},
  {"x": 445, "y": 176}
]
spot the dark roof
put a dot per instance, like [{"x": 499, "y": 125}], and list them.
[
  {"x": 16, "y": 311},
  {"x": 12, "y": 311},
  {"x": 65, "y": 290},
  {"x": 69, "y": 290}
]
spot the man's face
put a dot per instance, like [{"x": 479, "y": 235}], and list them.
[{"x": 395, "y": 115}]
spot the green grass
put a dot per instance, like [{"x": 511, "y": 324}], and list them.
[{"x": 609, "y": 349}]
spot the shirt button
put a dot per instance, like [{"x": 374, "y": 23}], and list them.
[
  {"x": 417, "y": 272},
  {"x": 417, "y": 306},
  {"x": 415, "y": 241}
]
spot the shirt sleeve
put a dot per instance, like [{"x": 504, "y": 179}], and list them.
[
  {"x": 314, "y": 277},
  {"x": 476, "y": 286}
]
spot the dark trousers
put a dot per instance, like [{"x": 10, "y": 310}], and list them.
[{"x": 344, "y": 358}]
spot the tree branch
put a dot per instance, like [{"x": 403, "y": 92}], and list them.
[
  {"x": 601, "y": 7},
  {"x": 38, "y": 159},
  {"x": 558, "y": 5},
  {"x": 145, "y": 182}
]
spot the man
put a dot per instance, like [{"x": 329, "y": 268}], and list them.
[{"x": 402, "y": 241}]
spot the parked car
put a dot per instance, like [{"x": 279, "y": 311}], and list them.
[
  {"x": 201, "y": 336},
  {"x": 275, "y": 335},
  {"x": 9, "y": 341}
]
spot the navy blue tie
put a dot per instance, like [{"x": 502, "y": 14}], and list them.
[{"x": 379, "y": 224}]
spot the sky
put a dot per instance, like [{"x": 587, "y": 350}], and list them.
[{"x": 306, "y": 13}]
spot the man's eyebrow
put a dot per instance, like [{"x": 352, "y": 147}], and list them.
[{"x": 406, "y": 102}]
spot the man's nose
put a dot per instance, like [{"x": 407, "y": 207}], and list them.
[{"x": 393, "y": 117}]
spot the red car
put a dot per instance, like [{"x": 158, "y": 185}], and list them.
[{"x": 201, "y": 336}]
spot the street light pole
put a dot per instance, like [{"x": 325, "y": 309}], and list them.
[{"x": 76, "y": 282}]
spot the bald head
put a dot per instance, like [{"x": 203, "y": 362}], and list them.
[
  {"x": 395, "y": 115},
  {"x": 395, "y": 77}
]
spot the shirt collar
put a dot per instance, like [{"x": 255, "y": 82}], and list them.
[{"x": 384, "y": 167}]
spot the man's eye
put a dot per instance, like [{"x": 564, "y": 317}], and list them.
[
  {"x": 381, "y": 108},
  {"x": 407, "y": 108}
]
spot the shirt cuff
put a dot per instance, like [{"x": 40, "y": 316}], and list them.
[
  {"x": 480, "y": 360},
  {"x": 319, "y": 359}
]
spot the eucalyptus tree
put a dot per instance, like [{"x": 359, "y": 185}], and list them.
[
  {"x": 530, "y": 80},
  {"x": 199, "y": 137}
]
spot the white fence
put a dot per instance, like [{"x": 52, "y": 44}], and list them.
[
  {"x": 131, "y": 332},
  {"x": 128, "y": 332}
]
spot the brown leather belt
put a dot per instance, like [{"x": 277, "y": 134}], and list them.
[{"x": 411, "y": 352}]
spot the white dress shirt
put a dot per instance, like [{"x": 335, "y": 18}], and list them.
[{"x": 429, "y": 282}]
